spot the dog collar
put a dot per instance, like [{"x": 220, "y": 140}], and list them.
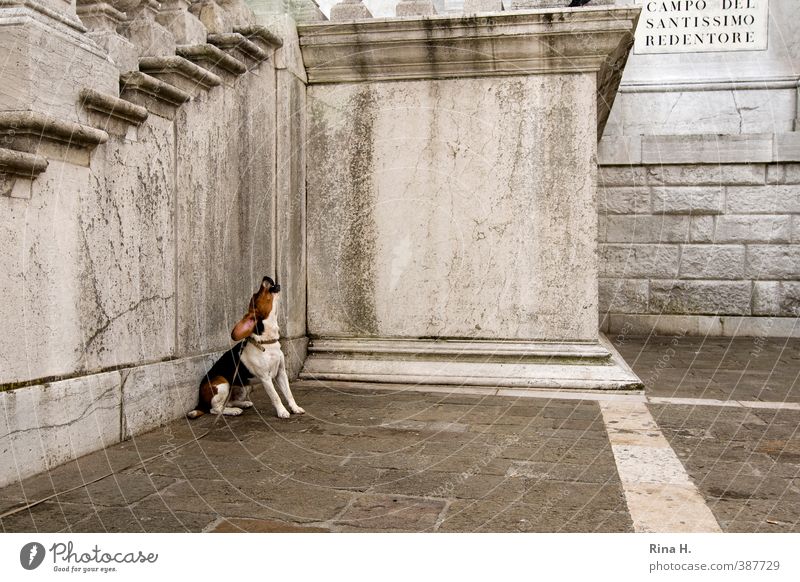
[{"x": 260, "y": 343}]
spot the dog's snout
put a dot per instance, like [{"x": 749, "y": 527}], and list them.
[{"x": 271, "y": 285}]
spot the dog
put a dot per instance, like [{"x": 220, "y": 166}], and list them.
[{"x": 256, "y": 356}]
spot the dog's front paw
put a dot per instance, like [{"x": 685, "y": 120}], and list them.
[
  {"x": 297, "y": 410},
  {"x": 283, "y": 413},
  {"x": 232, "y": 411},
  {"x": 245, "y": 404}
]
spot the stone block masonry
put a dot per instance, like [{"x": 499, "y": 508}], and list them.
[{"x": 700, "y": 241}]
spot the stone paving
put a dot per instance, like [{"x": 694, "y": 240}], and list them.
[{"x": 381, "y": 460}]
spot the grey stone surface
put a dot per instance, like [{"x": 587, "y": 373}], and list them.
[
  {"x": 623, "y": 295},
  {"x": 647, "y": 228},
  {"x": 765, "y": 200},
  {"x": 753, "y": 228},
  {"x": 45, "y": 52},
  {"x": 185, "y": 27},
  {"x": 715, "y": 297},
  {"x": 157, "y": 394},
  {"x": 706, "y": 175},
  {"x": 773, "y": 261},
  {"x": 734, "y": 222},
  {"x": 675, "y": 200},
  {"x": 364, "y": 240},
  {"x": 477, "y": 6},
  {"x": 225, "y": 210},
  {"x": 712, "y": 262},
  {"x": 126, "y": 240},
  {"x": 521, "y": 465},
  {"x": 701, "y": 229},
  {"x": 635, "y": 260},
  {"x": 415, "y": 8},
  {"x": 350, "y": 10},
  {"x": 46, "y": 425},
  {"x": 623, "y": 200},
  {"x": 291, "y": 202}
]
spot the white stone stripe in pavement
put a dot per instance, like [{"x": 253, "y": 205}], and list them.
[
  {"x": 660, "y": 495},
  {"x": 730, "y": 403}
]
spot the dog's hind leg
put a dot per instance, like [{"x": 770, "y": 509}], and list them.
[
  {"x": 218, "y": 401},
  {"x": 239, "y": 397},
  {"x": 283, "y": 386}
]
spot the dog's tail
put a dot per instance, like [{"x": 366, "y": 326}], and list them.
[{"x": 197, "y": 413}]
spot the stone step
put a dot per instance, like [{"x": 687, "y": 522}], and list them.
[
  {"x": 462, "y": 363},
  {"x": 476, "y": 350}
]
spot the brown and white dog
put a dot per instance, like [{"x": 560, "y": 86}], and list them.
[{"x": 258, "y": 357}]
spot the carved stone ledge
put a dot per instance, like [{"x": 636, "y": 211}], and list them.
[
  {"x": 214, "y": 59},
  {"x": 45, "y": 135},
  {"x": 181, "y": 73},
  {"x": 17, "y": 171},
  {"x": 110, "y": 113},
  {"x": 260, "y": 35},
  {"x": 239, "y": 47},
  {"x": 158, "y": 97}
]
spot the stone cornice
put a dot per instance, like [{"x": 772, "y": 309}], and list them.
[
  {"x": 113, "y": 107},
  {"x": 260, "y": 35},
  {"x": 179, "y": 72},
  {"x": 156, "y": 96},
  {"x": 210, "y": 57},
  {"x": 504, "y": 43},
  {"x": 29, "y": 124},
  {"x": 238, "y": 43},
  {"x": 21, "y": 163}
]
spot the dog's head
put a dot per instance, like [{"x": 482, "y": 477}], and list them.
[{"x": 261, "y": 305}]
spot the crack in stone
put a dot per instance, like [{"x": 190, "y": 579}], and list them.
[{"x": 91, "y": 406}]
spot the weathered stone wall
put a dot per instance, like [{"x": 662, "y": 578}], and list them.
[
  {"x": 453, "y": 208},
  {"x": 125, "y": 266},
  {"x": 699, "y": 193},
  {"x": 700, "y": 248}
]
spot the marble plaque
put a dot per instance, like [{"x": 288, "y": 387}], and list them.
[{"x": 688, "y": 26}]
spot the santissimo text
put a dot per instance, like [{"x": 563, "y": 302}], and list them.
[{"x": 66, "y": 553}]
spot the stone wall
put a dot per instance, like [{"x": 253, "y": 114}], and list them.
[
  {"x": 700, "y": 248},
  {"x": 127, "y": 261},
  {"x": 698, "y": 190}
]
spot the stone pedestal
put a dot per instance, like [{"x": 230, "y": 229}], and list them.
[
  {"x": 477, "y": 6},
  {"x": 452, "y": 208},
  {"x": 102, "y": 20},
  {"x": 44, "y": 45},
  {"x": 415, "y": 8},
  {"x": 187, "y": 29},
  {"x": 141, "y": 28},
  {"x": 350, "y": 10}
]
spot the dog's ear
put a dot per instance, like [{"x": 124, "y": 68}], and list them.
[{"x": 244, "y": 328}]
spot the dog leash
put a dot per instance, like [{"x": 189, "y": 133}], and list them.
[{"x": 27, "y": 506}]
